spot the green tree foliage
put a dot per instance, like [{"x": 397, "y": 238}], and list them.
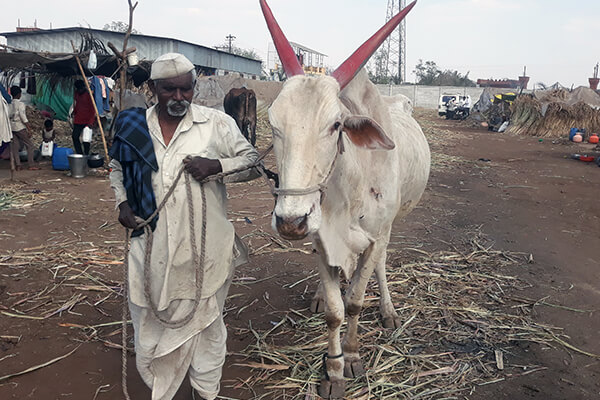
[
  {"x": 239, "y": 51},
  {"x": 246, "y": 53},
  {"x": 119, "y": 26},
  {"x": 377, "y": 69},
  {"x": 428, "y": 73}
]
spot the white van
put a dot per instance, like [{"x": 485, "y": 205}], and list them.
[{"x": 444, "y": 99}]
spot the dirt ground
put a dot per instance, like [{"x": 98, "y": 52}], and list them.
[{"x": 524, "y": 194}]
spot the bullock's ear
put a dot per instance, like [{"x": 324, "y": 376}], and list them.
[{"x": 365, "y": 132}]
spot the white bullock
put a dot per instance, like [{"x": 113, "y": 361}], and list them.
[{"x": 350, "y": 162}]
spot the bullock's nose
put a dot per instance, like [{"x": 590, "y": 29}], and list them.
[{"x": 292, "y": 228}]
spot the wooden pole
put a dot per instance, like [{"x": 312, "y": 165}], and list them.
[
  {"x": 87, "y": 85},
  {"x": 123, "y": 73},
  {"x": 12, "y": 160}
]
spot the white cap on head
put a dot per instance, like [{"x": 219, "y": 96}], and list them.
[{"x": 170, "y": 65}]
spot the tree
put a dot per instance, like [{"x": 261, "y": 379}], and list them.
[
  {"x": 119, "y": 26},
  {"x": 238, "y": 51},
  {"x": 377, "y": 68},
  {"x": 428, "y": 73}
]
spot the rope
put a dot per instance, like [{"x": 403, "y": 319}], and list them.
[
  {"x": 124, "y": 321},
  {"x": 198, "y": 259},
  {"x": 321, "y": 187}
]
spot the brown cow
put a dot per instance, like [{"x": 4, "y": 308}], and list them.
[{"x": 240, "y": 104}]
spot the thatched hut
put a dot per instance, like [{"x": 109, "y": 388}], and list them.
[{"x": 552, "y": 113}]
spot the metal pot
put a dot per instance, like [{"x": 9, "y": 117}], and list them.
[
  {"x": 95, "y": 161},
  {"x": 78, "y": 165}
]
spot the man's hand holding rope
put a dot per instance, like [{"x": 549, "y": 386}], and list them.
[{"x": 200, "y": 168}]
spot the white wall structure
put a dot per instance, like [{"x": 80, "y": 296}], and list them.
[{"x": 428, "y": 96}]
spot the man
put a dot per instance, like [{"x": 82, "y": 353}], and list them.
[
  {"x": 83, "y": 115},
  {"x": 158, "y": 142},
  {"x": 465, "y": 105},
  {"x": 4, "y": 93},
  {"x": 451, "y": 108},
  {"x": 20, "y": 129},
  {"x": 5, "y": 128}
]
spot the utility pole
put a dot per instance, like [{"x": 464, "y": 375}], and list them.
[{"x": 230, "y": 38}]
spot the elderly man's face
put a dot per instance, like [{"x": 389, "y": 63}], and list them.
[{"x": 175, "y": 94}]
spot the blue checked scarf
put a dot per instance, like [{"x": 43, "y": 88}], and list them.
[{"x": 132, "y": 148}]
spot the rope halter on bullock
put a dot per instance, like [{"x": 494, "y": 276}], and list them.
[{"x": 321, "y": 187}]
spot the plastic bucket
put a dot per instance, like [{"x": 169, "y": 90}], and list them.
[
  {"x": 572, "y": 133},
  {"x": 132, "y": 59},
  {"x": 78, "y": 165}
]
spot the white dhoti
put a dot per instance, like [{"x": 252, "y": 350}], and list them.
[{"x": 164, "y": 356}]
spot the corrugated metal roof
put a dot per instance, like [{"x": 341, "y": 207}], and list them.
[{"x": 148, "y": 47}]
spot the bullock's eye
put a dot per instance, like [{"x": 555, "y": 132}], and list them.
[{"x": 337, "y": 125}]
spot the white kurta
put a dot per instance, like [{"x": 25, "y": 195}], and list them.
[
  {"x": 202, "y": 132},
  {"x": 18, "y": 115},
  {"x": 5, "y": 129}
]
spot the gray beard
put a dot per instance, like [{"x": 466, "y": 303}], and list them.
[{"x": 177, "y": 108}]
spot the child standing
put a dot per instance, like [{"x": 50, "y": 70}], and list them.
[
  {"x": 48, "y": 133},
  {"x": 20, "y": 129}
]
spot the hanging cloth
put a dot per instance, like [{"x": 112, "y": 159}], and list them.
[{"x": 31, "y": 85}]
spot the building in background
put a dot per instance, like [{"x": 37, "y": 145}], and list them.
[
  {"x": 311, "y": 60},
  {"x": 208, "y": 61}
]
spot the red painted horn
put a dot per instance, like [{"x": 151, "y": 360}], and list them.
[
  {"x": 288, "y": 58},
  {"x": 346, "y": 72}
]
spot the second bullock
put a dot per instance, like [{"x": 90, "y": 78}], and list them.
[
  {"x": 350, "y": 163},
  {"x": 240, "y": 104}
]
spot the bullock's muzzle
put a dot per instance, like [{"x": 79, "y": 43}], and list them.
[{"x": 292, "y": 229}]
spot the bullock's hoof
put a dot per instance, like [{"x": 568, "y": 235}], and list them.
[
  {"x": 392, "y": 322},
  {"x": 317, "y": 305},
  {"x": 353, "y": 367},
  {"x": 332, "y": 389}
]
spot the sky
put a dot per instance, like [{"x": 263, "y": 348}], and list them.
[{"x": 558, "y": 41}]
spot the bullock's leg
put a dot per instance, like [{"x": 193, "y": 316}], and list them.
[
  {"x": 317, "y": 304},
  {"x": 355, "y": 296},
  {"x": 253, "y": 132},
  {"x": 333, "y": 385},
  {"x": 389, "y": 316},
  {"x": 244, "y": 130}
]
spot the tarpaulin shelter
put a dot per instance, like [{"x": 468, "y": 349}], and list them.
[
  {"x": 61, "y": 64},
  {"x": 55, "y": 75}
]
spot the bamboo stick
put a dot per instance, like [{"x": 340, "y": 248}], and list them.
[{"x": 87, "y": 85}]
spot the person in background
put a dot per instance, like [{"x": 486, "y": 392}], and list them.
[
  {"x": 5, "y": 94},
  {"x": 451, "y": 108},
  {"x": 83, "y": 115},
  {"x": 5, "y": 130},
  {"x": 466, "y": 105},
  {"x": 48, "y": 134},
  {"x": 19, "y": 125}
]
